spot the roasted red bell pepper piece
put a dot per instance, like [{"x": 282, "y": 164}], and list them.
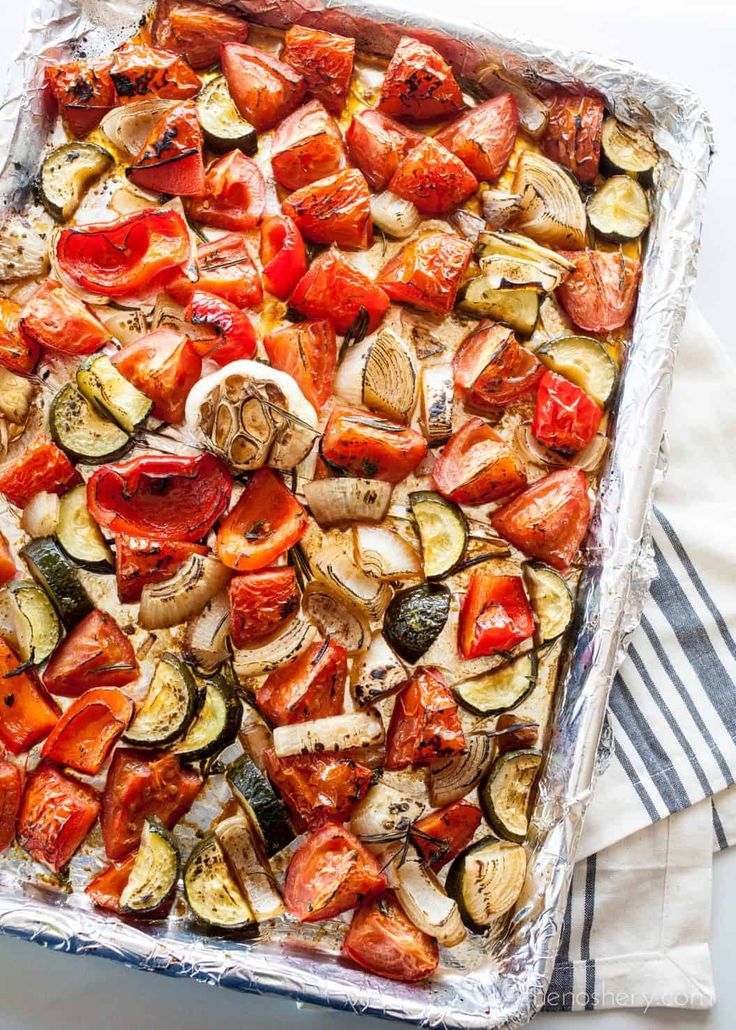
[
  {"x": 58, "y": 321},
  {"x": 261, "y": 603},
  {"x": 164, "y": 497},
  {"x": 27, "y": 713},
  {"x": 427, "y": 271},
  {"x": 164, "y": 365},
  {"x": 265, "y": 523},
  {"x": 600, "y": 294},
  {"x": 236, "y": 336},
  {"x": 308, "y": 352},
  {"x": 56, "y": 814},
  {"x": 318, "y": 788},
  {"x": 495, "y": 616},
  {"x": 96, "y": 653},
  {"x": 265, "y": 90},
  {"x": 419, "y": 84},
  {"x": 307, "y": 146},
  {"x": 325, "y": 62},
  {"x": 11, "y": 791},
  {"x": 283, "y": 255},
  {"x": 369, "y": 446},
  {"x": 443, "y": 834},
  {"x": 84, "y": 93},
  {"x": 477, "y": 466},
  {"x": 140, "y": 561},
  {"x": 377, "y": 145},
  {"x": 483, "y": 138},
  {"x": 139, "y": 71},
  {"x": 565, "y": 417},
  {"x": 425, "y": 724},
  {"x": 88, "y": 730},
  {"x": 16, "y": 352},
  {"x": 170, "y": 161},
  {"x": 234, "y": 194},
  {"x": 433, "y": 179},
  {"x": 41, "y": 466},
  {"x": 336, "y": 209},
  {"x": 196, "y": 30},
  {"x": 311, "y": 687},
  {"x": 573, "y": 134},
  {"x": 334, "y": 289}
]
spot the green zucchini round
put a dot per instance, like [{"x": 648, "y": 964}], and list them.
[
  {"x": 585, "y": 362},
  {"x": 552, "y": 601},
  {"x": 415, "y": 618},
  {"x": 262, "y": 804},
  {"x": 67, "y": 172},
  {"x": 213, "y": 895},
  {"x": 53, "y": 571},
  {"x": 215, "y": 725},
  {"x": 486, "y": 880},
  {"x": 505, "y": 793},
  {"x": 443, "y": 532},
  {"x": 111, "y": 393},
  {"x": 223, "y": 126},
  {"x": 627, "y": 150},
  {"x": 33, "y": 622},
  {"x": 79, "y": 534},
  {"x": 155, "y": 871},
  {"x": 619, "y": 209},
  {"x": 501, "y": 689},
  {"x": 78, "y": 428},
  {"x": 168, "y": 707}
]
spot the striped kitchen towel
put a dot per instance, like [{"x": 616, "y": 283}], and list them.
[{"x": 637, "y": 923}]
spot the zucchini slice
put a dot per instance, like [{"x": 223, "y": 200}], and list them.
[
  {"x": 155, "y": 871},
  {"x": 223, "y": 127},
  {"x": 333, "y": 733},
  {"x": 111, "y": 393},
  {"x": 443, "y": 532},
  {"x": 585, "y": 362},
  {"x": 53, "y": 571},
  {"x": 500, "y": 689},
  {"x": 32, "y": 621},
  {"x": 240, "y": 846},
  {"x": 78, "y": 428},
  {"x": 68, "y": 172},
  {"x": 168, "y": 707},
  {"x": 516, "y": 308},
  {"x": 505, "y": 793},
  {"x": 213, "y": 896},
  {"x": 552, "y": 601},
  {"x": 216, "y": 724},
  {"x": 628, "y": 150},
  {"x": 415, "y": 618},
  {"x": 486, "y": 881},
  {"x": 79, "y": 534},
  {"x": 262, "y": 805},
  {"x": 180, "y": 598},
  {"x": 619, "y": 209},
  {"x": 16, "y": 397},
  {"x": 455, "y": 777}
]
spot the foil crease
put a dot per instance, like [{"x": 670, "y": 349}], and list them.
[{"x": 499, "y": 981}]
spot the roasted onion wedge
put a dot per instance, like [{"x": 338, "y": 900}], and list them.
[
  {"x": 128, "y": 127},
  {"x": 377, "y": 675},
  {"x": 379, "y": 373},
  {"x": 486, "y": 881},
  {"x": 333, "y": 501},
  {"x": 551, "y": 211}
]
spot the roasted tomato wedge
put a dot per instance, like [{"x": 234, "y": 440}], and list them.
[
  {"x": 367, "y": 446},
  {"x": 227, "y": 270},
  {"x": 196, "y": 30},
  {"x": 41, "y": 466},
  {"x": 264, "y": 89},
  {"x": 330, "y": 873},
  {"x": 140, "y": 561},
  {"x": 16, "y": 352},
  {"x": 106, "y": 887},
  {"x": 425, "y": 724},
  {"x": 318, "y": 788},
  {"x": 8, "y": 569},
  {"x": 377, "y": 145},
  {"x": 87, "y": 731},
  {"x": 334, "y": 210},
  {"x": 140, "y": 784},
  {"x": 170, "y": 161},
  {"x": 11, "y": 790},
  {"x": 164, "y": 366},
  {"x": 234, "y": 195},
  {"x": 95, "y": 654},
  {"x": 427, "y": 271},
  {"x": 601, "y": 293},
  {"x": 573, "y": 134},
  {"x": 266, "y": 522},
  {"x": 261, "y": 603},
  {"x": 27, "y": 713},
  {"x": 492, "y": 369},
  {"x": 433, "y": 179},
  {"x": 495, "y": 616},
  {"x": 312, "y": 687},
  {"x": 140, "y": 71},
  {"x": 484, "y": 137},
  {"x": 58, "y": 321},
  {"x": 236, "y": 337},
  {"x": 307, "y": 146},
  {"x": 334, "y": 289},
  {"x": 283, "y": 255},
  {"x": 565, "y": 417},
  {"x": 56, "y": 814},
  {"x": 516, "y": 739},
  {"x": 383, "y": 940},
  {"x": 419, "y": 84},
  {"x": 164, "y": 497},
  {"x": 308, "y": 352},
  {"x": 84, "y": 93},
  {"x": 443, "y": 834},
  {"x": 477, "y": 466},
  {"x": 325, "y": 62},
  {"x": 119, "y": 258},
  {"x": 549, "y": 520}
]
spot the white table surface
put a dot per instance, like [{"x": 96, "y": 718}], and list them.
[{"x": 694, "y": 43}]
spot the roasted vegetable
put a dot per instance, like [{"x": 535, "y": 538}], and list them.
[
  {"x": 626, "y": 149},
  {"x": 29, "y": 621},
  {"x": 67, "y": 173},
  {"x": 501, "y": 689},
  {"x": 415, "y": 618},
  {"x": 262, "y": 805},
  {"x": 107, "y": 390},
  {"x": 155, "y": 871},
  {"x": 168, "y": 707},
  {"x": 333, "y": 733},
  {"x": 212, "y": 893},
  {"x": 379, "y": 373},
  {"x": 619, "y": 209},
  {"x": 54, "y": 573},
  {"x": 81, "y": 431},
  {"x": 486, "y": 881},
  {"x": 551, "y": 211},
  {"x": 584, "y": 361},
  {"x": 216, "y": 723},
  {"x": 223, "y": 126},
  {"x": 443, "y": 532},
  {"x": 180, "y": 598},
  {"x": 505, "y": 793},
  {"x": 552, "y": 601}
]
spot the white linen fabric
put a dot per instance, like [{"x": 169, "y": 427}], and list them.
[{"x": 637, "y": 923}]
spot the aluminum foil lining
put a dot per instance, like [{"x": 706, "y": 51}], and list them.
[{"x": 499, "y": 981}]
